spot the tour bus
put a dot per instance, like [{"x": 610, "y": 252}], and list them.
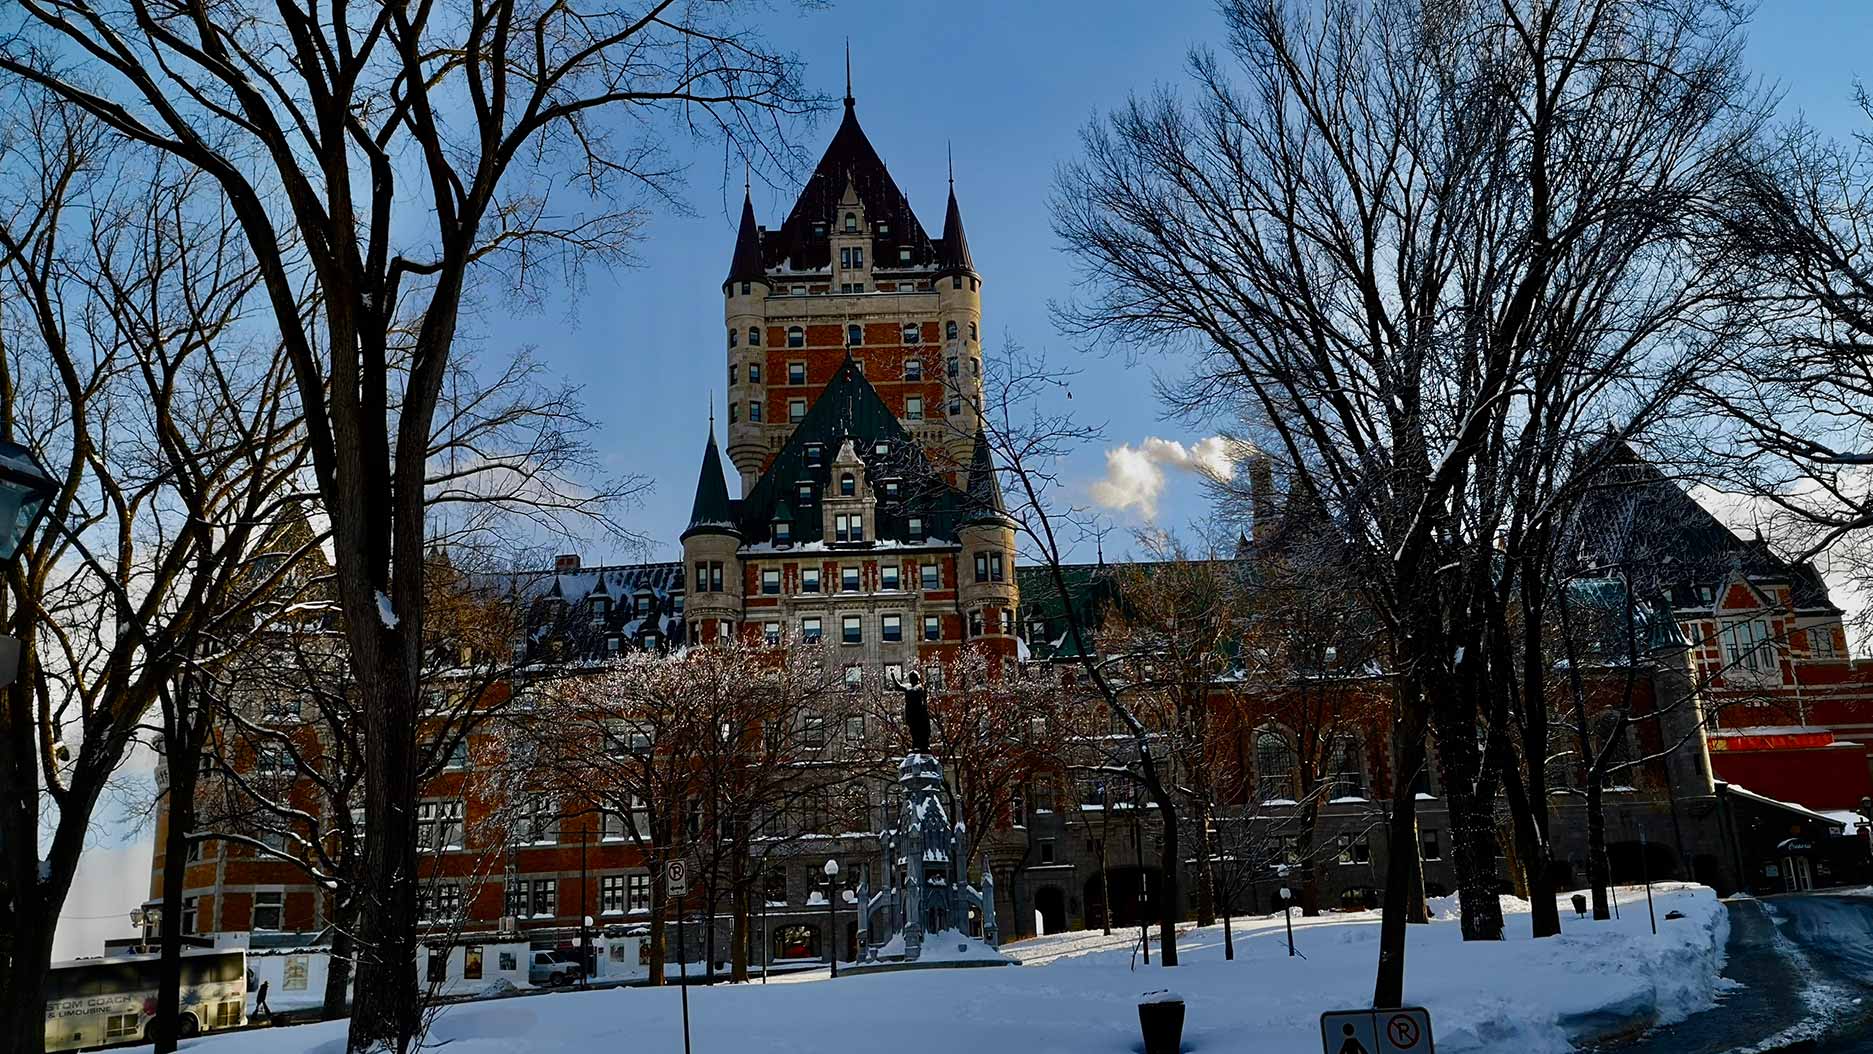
[{"x": 94, "y": 1002}]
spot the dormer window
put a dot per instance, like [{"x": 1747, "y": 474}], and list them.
[
  {"x": 806, "y": 493},
  {"x": 783, "y": 531},
  {"x": 854, "y": 334},
  {"x": 912, "y": 333},
  {"x": 848, "y": 485},
  {"x": 903, "y": 254},
  {"x": 880, "y": 448},
  {"x": 819, "y": 229},
  {"x": 914, "y": 526},
  {"x": 796, "y": 337},
  {"x": 814, "y": 452},
  {"x": 883, "y": 228},
  {"x": 891, "y": 491},
  {"x": 851, "y": 223}
]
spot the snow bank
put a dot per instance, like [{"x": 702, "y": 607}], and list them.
[{"x": 1078, "y": 992}]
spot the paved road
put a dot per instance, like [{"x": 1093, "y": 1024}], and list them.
[{"x": 1801, "y": 973}]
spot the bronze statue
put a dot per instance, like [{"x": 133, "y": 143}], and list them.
[{"x": 916, "y": 714}]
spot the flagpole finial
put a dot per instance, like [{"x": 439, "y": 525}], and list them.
[
  {"x": 950, "y": 150},
  {"x": 848, "y": 73}
]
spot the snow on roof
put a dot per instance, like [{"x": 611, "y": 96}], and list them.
[
  {"x": 1789, "y": 805},
  {"x": 1771, "y": 730}
]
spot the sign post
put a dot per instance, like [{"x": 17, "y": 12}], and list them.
[
  {"x": 1405, "y": 1030},
  {"x": 676, "y": 884}
]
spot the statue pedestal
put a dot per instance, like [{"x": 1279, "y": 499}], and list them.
[{"x": 926, "y": 858}]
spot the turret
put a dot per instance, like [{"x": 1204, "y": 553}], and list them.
[
  {"x": 986, "y": 574},
  {"x": 959, "y": 303},
  {"x": 710, "y": 557},
  {"x": 745, "y": 292}
]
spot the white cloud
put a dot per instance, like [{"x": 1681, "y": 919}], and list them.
[{"x": 1135, "y": 475}]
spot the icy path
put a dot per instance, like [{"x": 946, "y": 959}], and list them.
[{"x": 1077, "y": 993}]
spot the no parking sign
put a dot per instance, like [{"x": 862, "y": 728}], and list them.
[{"x": 1405, "y": 1030}]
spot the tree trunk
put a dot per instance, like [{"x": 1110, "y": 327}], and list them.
[
  {"x": 338, "y": 973},
  {"x": 181, "y": 795},
  {"x": 1206, "y": 868},
  {"x": 1168, "y": 861},
  {"x": 1310, "y": 873},
  {"x": 386, "y": 1004},
  {"x": 739, "y": 909},
  {"x": 1408, "y": 731},
  {"x": 1597, "y": 865},
  {"x": 658, "y": 927},
  {"x": 1532, "y": 858},
  {"x": 22, "y": 997}
]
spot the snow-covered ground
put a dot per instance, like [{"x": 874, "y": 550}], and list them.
[{"x": 1078, "y": 992}]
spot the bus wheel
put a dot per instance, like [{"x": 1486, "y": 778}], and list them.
[{"x": 188, "y": 1026}]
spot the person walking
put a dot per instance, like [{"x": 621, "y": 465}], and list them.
[{"x": 260, "y": 1003}]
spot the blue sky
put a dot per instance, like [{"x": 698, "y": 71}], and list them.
[{"x": 1010, "y": 84}]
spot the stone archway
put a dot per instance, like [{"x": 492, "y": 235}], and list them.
[{"x": 1050, "y": 909}]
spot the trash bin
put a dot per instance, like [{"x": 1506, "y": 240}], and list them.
[
  {"x": 1161, "y": 1019},
  {"x": 1580, "y": 906}
]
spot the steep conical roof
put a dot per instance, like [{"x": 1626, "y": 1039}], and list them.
[
  {"x": 746, "y": 264},
  {"x": 953, "y": 251},
  {"x": 984, "y": 491},
  {"x": 712, "y": 512},
  {"x": 850, "y": 160}
]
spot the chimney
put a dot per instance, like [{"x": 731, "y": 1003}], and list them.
[{"x": 565, "y": 563}]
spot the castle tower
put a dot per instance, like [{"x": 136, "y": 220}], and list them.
[
  {"x": 710, "y": 557},
  {"x": 851, "y": 270},
  {"x": 986, "y": 568}
]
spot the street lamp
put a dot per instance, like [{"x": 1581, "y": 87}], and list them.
[
  {"x": 832, "y": 915},
  {"x": 24, "y": 488}
]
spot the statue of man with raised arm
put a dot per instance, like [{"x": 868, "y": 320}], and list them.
[{"x": 916, "y": 713}]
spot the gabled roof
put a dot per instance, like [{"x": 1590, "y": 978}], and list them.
[
  {"x": 712, "y": 512},
  {"x": 849, "y": 409},
  {"x": 745, "y": 265},
  {"x": 1636, "y": 515},
  {"x": 953, "y": 252},
  {"x": 849, "y": 159}
]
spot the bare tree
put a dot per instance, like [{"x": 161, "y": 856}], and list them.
[
  {"x": 1369, "y": 224},
  {"x": 316, "y": 126}
]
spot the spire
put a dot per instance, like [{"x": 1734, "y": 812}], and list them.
[
  {"x": 712, "y": 513},
  {"x": 984, "y": 489},
  {"x": 746, "y": 265},
  {"x": 848, "y": 74},
  {"x": 953, "y": 252}
]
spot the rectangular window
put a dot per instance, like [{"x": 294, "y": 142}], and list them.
[
  {"x": 715, "y": 576},
  {"x": 850, "y": 631},
  {"x": 932, "y": 627},
  {"x": 545, "y": 897},
  {"x": 913, "y": 408},
  {"x": 1821, "y": 642},
  {"x": 542, "y": 822},
  {"x": 516, "y": 902},
  {"x": 813, "y": 731},
  {"x": 914, "y": 528},
  {"x": 269, "y": 910},
  {"x": 770, "y": 633},
  {"x": 913, "y": 369},
  {"x": 854, "y": 678},
  {"x": 637, "y": 892},
  {"x": 888, "y": 577},
  {"x": 814, "y": 452},
  {"x": 438, "y": 825},
  {"x": 611, "y": 895},
  {"x": 809, "y": 630},
  {"x": 842, "y": 527},
  {"x": 855, "y": 726},
  {"x": 783, "y": 531},
  {"x": 809, "y": 580},
  {"x": 1047, "y": 850},
  {"x": 189, "y": 914},
  {"x": 1433, "y": 849},
  {"x": 796, "y": 371},
  {"x": 611, "y": 826},
  {"x": 893, "y": 673},
  {"x": 754, "y": 377},
  {"x": 858, "y": 256},
  {"x": 951, "y": 367},
  {"x": 995, "y": 567},
  {"x": 932, "y": 577},
  {"x": 845, "y": 256},
  {"x": 891, "y": 628},
  {"x": 982, "y": 567},
  {"x": 1746, "y": 645},
  {"x": 848, "y": 580},
  {"x": 754, "y": 410},
  {"x": 804, "y": 492},
  {"x": 770, "y": 581},
  {"x": 796, "y": 410}
]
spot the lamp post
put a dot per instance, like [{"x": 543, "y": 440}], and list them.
[
  {"x": 25, "y": 486},
  {"x": 832, "y": 915}
]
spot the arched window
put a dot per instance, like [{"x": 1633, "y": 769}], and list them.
[
  {"x": 949, "y": 330},
  {"x": 972, "y": 331},
  {"x": 851, "y": 223},
  {"x": 1348, "y": 765},
  {"x": 754, "y": 336},
  {"x": 912, "y": 332},
  {"x": 796, "y": 337},
  {"x": 1274, "y": 766},
  {"x": 854, "y": 334},
  {"x": 734, "y": 338},
  {"x": 848, "y": 486}
]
